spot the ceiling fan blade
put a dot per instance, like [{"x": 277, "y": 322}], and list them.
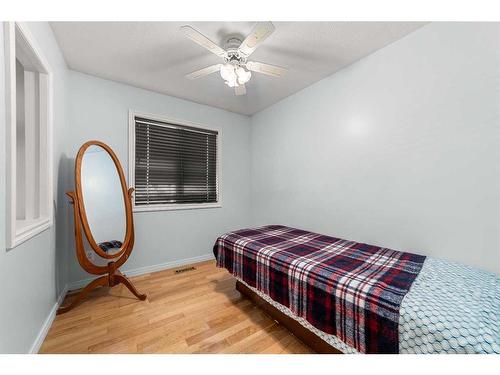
[
  {"x": 259, "y": 33},
  {"x": 240, "y": 90},
  {"x": 202, "y": 40},
  {"x": 204, "y": 72},
  {"x": 270, "y": 70}
]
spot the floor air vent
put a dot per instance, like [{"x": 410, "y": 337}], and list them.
[{"x": 185, "y": 270}]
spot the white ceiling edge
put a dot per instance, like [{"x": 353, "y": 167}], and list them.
[
  {"x": 339, "y": 70},
  {"x": 306, "y": 68}
]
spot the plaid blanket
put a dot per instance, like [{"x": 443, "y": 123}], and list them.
[{"x": 345, "y": 288}]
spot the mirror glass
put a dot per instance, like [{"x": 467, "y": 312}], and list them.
[{"x": 103, "y": 198}]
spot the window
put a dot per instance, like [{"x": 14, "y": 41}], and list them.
[
  {"x": 28, "y": 114},
  {"x": 174, "y": 165}
]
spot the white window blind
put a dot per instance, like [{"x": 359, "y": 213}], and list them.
[{"x": 174, "y": 164}]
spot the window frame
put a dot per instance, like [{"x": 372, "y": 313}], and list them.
[
  {"x": 131, "y": 163},
  {"x": 17, "y": 234}
]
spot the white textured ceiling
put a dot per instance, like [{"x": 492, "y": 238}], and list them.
[{"x": 156, "y": 56}]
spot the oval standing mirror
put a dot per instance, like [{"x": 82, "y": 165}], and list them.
[
  {"x": 103, "y": 199},
  {"x": 104, "y": 202},
  {"x": 102, "y": 206}
]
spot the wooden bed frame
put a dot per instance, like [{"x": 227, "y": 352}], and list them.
[{"x": 307, "y": 337}]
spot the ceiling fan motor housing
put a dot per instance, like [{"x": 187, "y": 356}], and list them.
[
  {"x": 233, "y": 43},
  {"x": 234, "y": 57}
]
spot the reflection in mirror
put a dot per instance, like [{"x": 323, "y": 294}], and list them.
[{"x": 103, "y": 199}]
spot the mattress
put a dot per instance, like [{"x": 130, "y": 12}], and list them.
[
  {"x": 447, "y": 307},
  {"x": 450, "y": 309}
]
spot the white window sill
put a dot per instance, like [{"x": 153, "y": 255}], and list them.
[
  {"x": 26, "y": 229},
  {"x": 174, "y": 207}
]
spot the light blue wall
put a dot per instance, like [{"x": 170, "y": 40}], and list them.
[
  {"x": 400, "y": 149},
  {"x": 98, "y": 109},
  {"x": 33, "y": 273}
]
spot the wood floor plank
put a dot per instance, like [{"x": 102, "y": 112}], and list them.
[{"x": 196, "y": 311}]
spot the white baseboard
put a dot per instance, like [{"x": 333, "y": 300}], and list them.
[
  {"x": 147, "y": 269},
  {"x": 37, "y": 344}
]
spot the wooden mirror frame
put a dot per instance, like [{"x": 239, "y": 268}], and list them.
[
  {"x": 83, "y": 214},
  {"x": 111, "y": 270}
]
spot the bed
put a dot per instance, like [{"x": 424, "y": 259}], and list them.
[{"x": 349, "y": 297}]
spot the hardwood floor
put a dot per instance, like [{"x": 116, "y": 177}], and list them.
[{"x": 193, "y": 312}]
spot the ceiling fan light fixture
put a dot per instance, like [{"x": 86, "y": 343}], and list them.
[
  {"x": 227, "y": 72},
  {"x": 232, "y": 82},
  {"x": 234, "y": 75},
  {"x": 243, "y": 75}
]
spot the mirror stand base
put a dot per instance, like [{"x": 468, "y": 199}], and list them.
[{"x": 112, "y": 279}]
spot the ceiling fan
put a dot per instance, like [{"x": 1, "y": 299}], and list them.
[{"x": 236, "y": 70}]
